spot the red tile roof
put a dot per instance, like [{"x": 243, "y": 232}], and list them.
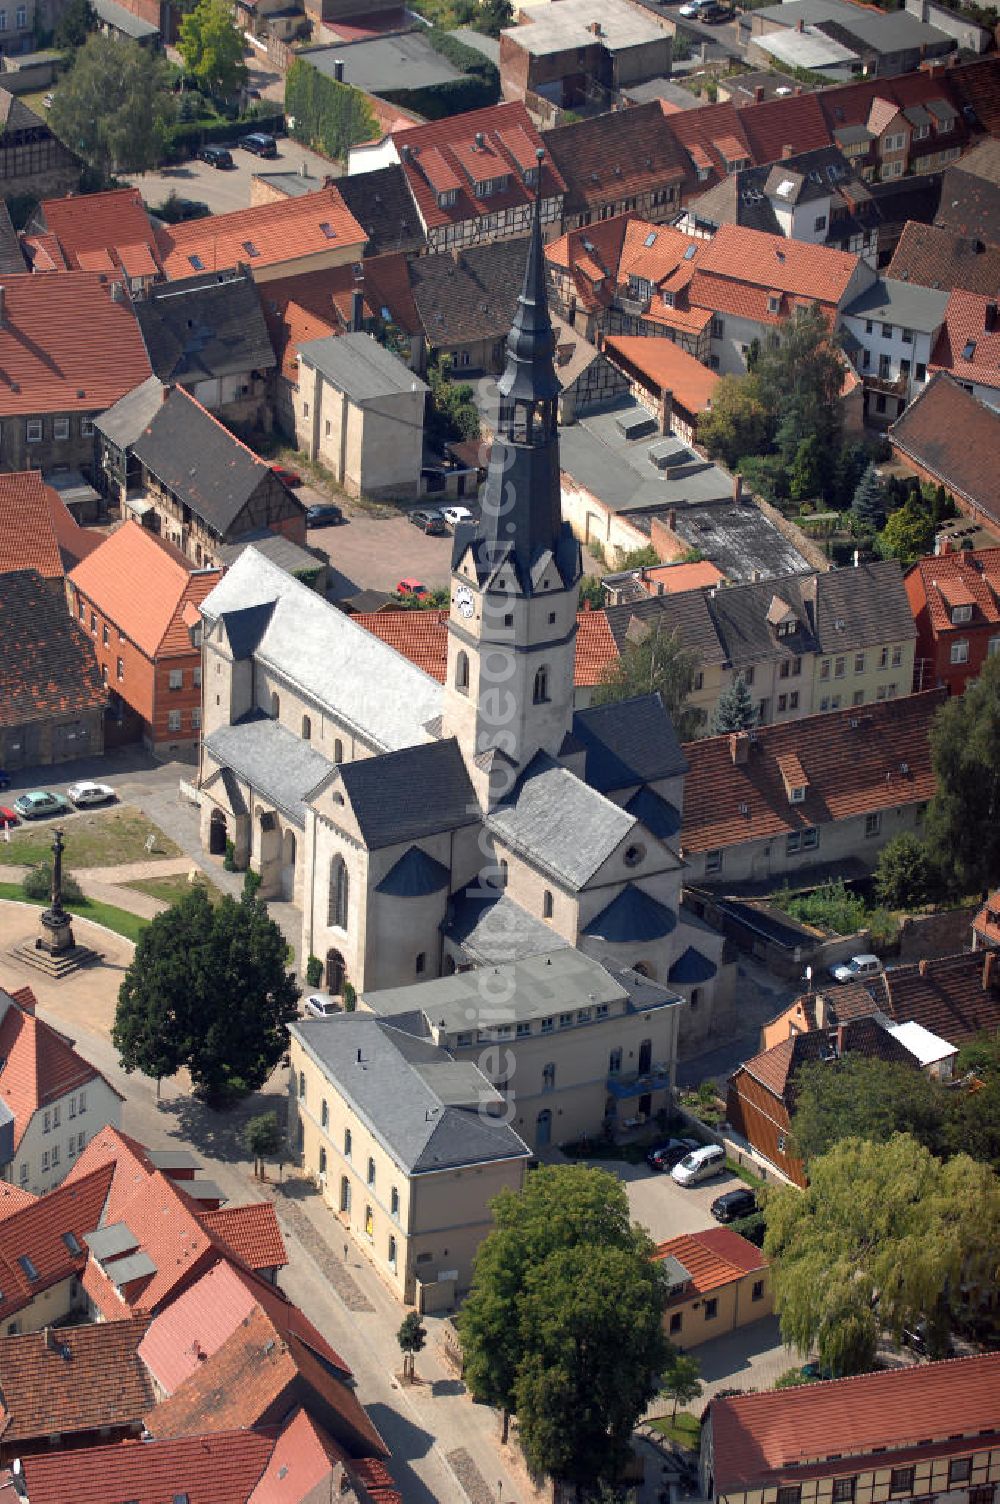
[
  {"x": 303, "y": 1459},
  {"x": 762, "y": 1438},
  {"x": 668, "y": 367},
  {"x": 288, "y": 230},
  {"x": 612, "y": 157},
  {"x": 47, "y": 667},
  {"x": 713, "y": 138},
  {"x": 987, "y": 921},
  {"x": 315, "y": 304},
  {"x": 36, "y": 530},
  {"x": 955, "y": 997},
  {"x": 99, "y": 231},
  {"x": 718, "y": 1256},
  {"x": 153, "y": 617},
  {"x": 70, "y": 1379},
  {"x": 966, "y": 347},
  {"x": 852, "y": 758},
  {"x": 954, "y": 436},
  {"x": 595, "y": 648},
  {"x": 13, "y": 1198},
  {"x": 798, "y": 121},
  {"x": 675, "y": 578},
  {"x": 771, "y": 263},
  {"x": 38, "y": 1066},
  {"x": 38, "y": 1233},
  {"x": 251, "y": 1232},
  {"x": 933, "y": 256},
  {"x": 220, "y": 1469},
  {"x": 968, "y": 578},
  {"x": 66, "y": 346}
]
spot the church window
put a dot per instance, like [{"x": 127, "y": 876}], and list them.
[
  {"x": 339, "y": 893},
  {"x": 548, "y": 1078},
  {"x": 275, "y": 706},
  {"x": 421, "y": 965},
  {"x": 322, "y": 1160},
  {"x": 347, "y": 1143},
  {"x": 508, "y": 620},
  {"x": 338, "y": 750},
  {"x": 504, "y": 873},
  {"x": 307, "y": 729},
  {"x": 324, "y": 1114},
  {"x": 541, "y": 690},
  {"x": 546, "y": 904},
  {"x": 552, "y": 618},
  {"x": 462, "y": 673}
]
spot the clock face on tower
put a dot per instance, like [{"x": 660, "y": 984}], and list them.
[{"x": 464, "y": 600}]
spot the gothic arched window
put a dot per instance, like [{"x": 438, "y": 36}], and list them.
[
  {"x": 462, "y": 673},
  {"x": 339, "y": 893},
  {"x": 540, "y": 694}
]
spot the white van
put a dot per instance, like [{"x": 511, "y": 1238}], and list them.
[{"x": 701, "y": 1164}]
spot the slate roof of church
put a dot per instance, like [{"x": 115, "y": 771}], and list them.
[
  {"x": 632, "y": 916},
  {"x": 414, "y": 876},
  {"x": 275, "y": 762},
  {"x": 415, "y": 792},
  {"x": 494, "y": 928},
  {"x": 632, "y": 741}
]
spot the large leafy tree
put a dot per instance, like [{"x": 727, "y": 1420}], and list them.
[
  {"x": 75, "y": 24},
  {"x": 963, "y": 821},
  {"x": 564, "y": 1321},
  {"x": 860, "y": 1097},
  {"x": 904, "y": 873},
  {"x": 114, "y": 106},
  {"x": 208, "y": 990},
  {"x": 738, "y": 424},
  {"x": 654, "y": 661},
  {"x": 908, "y": 532},
  {"x": 212, "y": 48},
  {"x": 877, "y": 1240},
  {"x": 799, "y": 375}
]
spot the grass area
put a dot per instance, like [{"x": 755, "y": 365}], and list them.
[
  {"x": 171, "y": 889},
  {"x": 742, "y": 1173},
  {"x": 119, "y": 920},
  {"x": 684, "y": 1429},
  {"x": 98, "y": 838}
]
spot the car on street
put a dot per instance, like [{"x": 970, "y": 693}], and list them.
[
  {"x": 856, "y": 969},
  {"x": 90, "y": 793},
  {"x": 40, "y": 802},
  {"x": 7, "y": 815},
  {"x": 321, "y": 1005},
  {"x": 217, "y": 156},
  {"x": 261, "y": 144},
  {"x": 410, "y": 586},
  {"x": 429, "y": 521},
  {"x": 714, "y": 15},
  {"x": 733, "y": 1204},
  {"x": 455, "y": 516},
  {"x": 290, "y": 478},
  {"x": 664, "y": 1156},
  {"x": 324, "y": 514}
]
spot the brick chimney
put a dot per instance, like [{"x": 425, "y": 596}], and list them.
[
  {"x": 922, "y": 968},
  {"x": 989, "y": 970},
  {"x": 739, "y": 748},
  {"x": 800, "y": 25},
  {"x": 758, "y": 94},
  {"x": 672, "y": 520},
  {"x": 738, "y": 489},
  {"x": 786, "y": 152},
  {"x": 595, "y": 28}
]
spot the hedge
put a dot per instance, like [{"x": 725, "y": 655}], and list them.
[
  {"x": 438, "y": 101},
  {"x": 461, "y": 55},
  {"x": 189, "y": 136},
  {"x": 330, "y": 116}
]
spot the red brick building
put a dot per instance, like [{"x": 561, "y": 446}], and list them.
[
  {"x": 955, "y": 600},
  {"x": 147, "y": 640}
]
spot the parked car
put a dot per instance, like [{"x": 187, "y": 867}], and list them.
[
  {"x": 429, "y": 521},
  {"x": 40, "y": 802},
  {"x": 217, "y": 156},
  {"x": 664, "y": 1156},
  {"x": 455, "y": 516},
  {"x": 856, "y": 969},
  {"x": 701, "y": 1164},
  {"x": 90, "y": 793},
  {"x": 4, "y": 779},
  {"x": 324, "y": 515},
  {"x": 7, "y": 815},
  {"x": 320, "y": 1005},
  {"x": 410, "y": 586},
  {"x": 290, "y": 478},
  {"x": 733, "y": 1204},
  {"x": 714, "y": 15},
  {"x": 48, "y": 101},
  {"x": 692, "y": 9},
  {"x": 261, "y": 144}
]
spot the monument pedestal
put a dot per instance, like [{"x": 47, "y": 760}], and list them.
[
  {"x": 55, "y": 951},
  {"x": 57, "y": 933}
]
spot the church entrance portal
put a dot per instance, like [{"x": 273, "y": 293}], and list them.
[
  {"x": 217, "y": 833},
  {"x": 335, "y": 974}
]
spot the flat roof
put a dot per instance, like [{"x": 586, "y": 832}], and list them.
[
  {"x": 406, "y": 61},
  {"x": 618, "y": 470},
  {"x": 810, "y": 48},
  {"x": 556, "y": 27}
]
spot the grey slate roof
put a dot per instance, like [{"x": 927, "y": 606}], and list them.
[
  {"x": 279, "y": 765},
  {"x": 658, "y": 815},
  {"x": 494, "y": 929},
  {"x": 245, "y": 628},
  {"x": 205, "y": 326},
  {"x": 691, "y": 968},
  {"x": 405, "y": 60},
  {"x": 418, "y": 791},
  {"x": 383, "y": 206},
  {"x": 631, "y": 917},
  {"x": 132, "y": 414},
  {"x": 124, "y": 21},
  {"x": 407, "y": 1108},
  {"x": 557, "y": 821},
  {"x": 341, "y": 667},
  {"x": 288, "y": 555},
  {"x": 905, "y": 303},
  {"x": 414, "y": 876},
  {"x": 631, "y": 741},
  {"x": 470, "y": 296},
  {"x": 359, "y": 366}
]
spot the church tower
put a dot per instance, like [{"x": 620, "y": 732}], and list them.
[{"x": 515, "y": 576}]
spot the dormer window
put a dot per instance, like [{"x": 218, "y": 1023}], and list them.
[
  {"x": 793, "y": 776},
  {"x": 797, "y": 795},
  {"x": 960, "y": 615},
  {"x": 446, "y": 199}
]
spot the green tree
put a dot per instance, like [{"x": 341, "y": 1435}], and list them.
[
  {"x": 75, "y": 24},
  {"x": 591, "y": 593},
  {"x": 207, "y": 989},
  {"x": 492, "y": 16},
  {"x": 735, "y": 710},
  {"x": 682, "y": 1381},
  {"x": 411, "y": 1337},
  {"x": 908, "y": 533},
  {"x": 262, "y": 1139},
  {"x": 452, "y": 414},
  {"x": 738, "y": 424},
  {"x": 904, "y": 873},
  {"x": 806, "y": 471},
  {"x": 963, "y": 820},
  {"x": 860, "y": 1097},
  {"x": 654, "y": 662},
  {"x": 564, "y": 1321},
  {"x": 876, "y": 1240},
  {"x": 799, "y": 376},
  {"x": 114, "y": 106},
  {"x": 212, "y": 48},
  {"x": 639, "y": 558},
  {"x": 868, "y": 504}
]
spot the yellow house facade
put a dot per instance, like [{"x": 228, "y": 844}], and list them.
[{"x": 718, "y": 1283}]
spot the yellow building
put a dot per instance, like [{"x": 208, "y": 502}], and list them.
[
  {"x": 718, "y": 1282},
  {"x": 408, "y": 1146}
]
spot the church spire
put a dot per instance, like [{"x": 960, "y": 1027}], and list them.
[{"x": 529, "y": 374}]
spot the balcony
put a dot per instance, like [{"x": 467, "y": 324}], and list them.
[
  {"x": 892, "y": 388},
  {"x": 633, "y": 1084}
]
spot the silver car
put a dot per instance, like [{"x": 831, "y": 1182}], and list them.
[{"x": 90, "y": 793}]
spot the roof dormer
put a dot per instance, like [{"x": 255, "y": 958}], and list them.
[
  {"x": 781, "y": 617},
  {"x": 793, "y": 776}
]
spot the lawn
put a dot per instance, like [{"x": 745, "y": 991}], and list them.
[
  {"x": 119, "y": 920},
  {"x": 98, "y": 838},
  {"x": 171, "y": 889},
  {"x": 684, "y": 1429}
]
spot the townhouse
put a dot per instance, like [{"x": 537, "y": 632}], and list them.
[
  {"x": 949, "y": 438},
  {"x": 32, "y": 160},
  {"x": 625, "y": 162},
  {"x": 889, "y": 332},
  {"x": 968, "y": 346},
  {"x": 565, "y": 57},
  {"x": 955, "y": 600},
  {"x": 717, "y": 1282},
  {"x": 675, "y": 386},
  {"x": 95, "y": 232},
  {"x": 37, "y": 530},
  {"x": 935, "y": 256}
]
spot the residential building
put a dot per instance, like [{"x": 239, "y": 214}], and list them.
[
  {"x": 585, "y": 1047},
  {"x": 914, "y": 1432},
  {"x": 472, "y": 177},
  {"x": 208, "y": 335},
  {"x": 202, "y": 488},
  {"x": 384, "y": 207},
  {"x": 37, "y": 531},
  {"x": 934, "y": 256},
  {"x": 562, "y": 57},
  {"x": 96, "y": 232},
  {"x": 147, "y": 643},
  {"x": 465, "y": 301},
  {"x": 830, "y": 1009},
  {"x": 625, "y": 162},
  {"x": 718, "y": 1283},
  {"x": 52, "y": 1096},
  {"x": 272, "y": 240},
  {"x": 672, "y": 384},
  {"x": 398, "y": 1133},
  {"x": 32, "y": 160},
  {"x": 226, "y": 1468},
  {"x": 969, "y": 194},
  {"x": 888, "y": 44},
  {"x": 889, "y": 333},
  {"x": 968, "y": 346},
  {"x": 898, "y": 201},
  {"x": 42, "y": 1246},
  {"x": 359, "y": 410},
  {"x": 955, "y": 997},
  {"x": 986, "y": 925},
  {"x": 785, "y": 799},
  {"x": 399, "y": 66},
  {"x": 949, "y": 437},
  {"x": 955, "y": 600},
  {"x": 658, "y": 579},
  {"x": 52, "y": 700},
  {"x": 69, "y": 347},
  {"x": 801, "y": 644}
]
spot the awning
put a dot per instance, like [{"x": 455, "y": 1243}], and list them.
[{"x": 139, "y": 506}]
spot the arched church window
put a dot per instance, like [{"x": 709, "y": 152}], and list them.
[
  {"x": 275, "y": 706},
  {"x": 546, "y": 904},
  {"x": 462, "y": 673},
  {"x": 339, "y": 893},
  {"x": 541, "y": 691}
]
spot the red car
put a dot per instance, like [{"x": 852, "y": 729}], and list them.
[
  {"x": 411, "y": 587},
  {"x": 7, "y": 816},
  {"x": 290, "y": 478}
]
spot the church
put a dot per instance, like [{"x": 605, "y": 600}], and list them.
[{"x": 425, "y": 829}]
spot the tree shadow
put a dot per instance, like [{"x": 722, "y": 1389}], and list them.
[
  {"x": 218, "y": 1133},
  {"x": 406, "y": 1442}
]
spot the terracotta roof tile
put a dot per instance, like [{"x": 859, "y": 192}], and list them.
[
  {"x": 48, "y": 666},
  {"x": 595, "y": 648},
  {"x": 615, "y": 156},
  {"x": 13, "y": 1198},
  {"x": 971, "y": 577},
  {"x": 153, "y": 617},
  {"x": 967, "y": 347},
  {"x": 252, "y": 1232},
  {"x": 987, "y": 921},
  {"x": 718, "y": 1256},
  {"x": 100, "y": 225},
  {"x": 37, "y": 1232},
  {"x": 66, "y": 346},
  {"x": 71, "y": 1379},
  {"x": 37, "y": 1066},
  {"x": 932, "y": 256},
  {"x": 950, "y": 433},
  {"x": 668, "y": 367},
  {"x": 772, "y": 263},
  {"x": 266, "y": 235},
  {"x": 676, "y": 578},
  {"x": 303, "y": 1459},
  {"x": 315, "y": 304},
  {"x": 221, "y": 1469},
  {"x": 36, "y": 530},
  {"x": 798, "y": 121},
  {"x": 422, "y": 637},
  {"x": 955, "y": 997},
  {"x": 853, "y": 760}
]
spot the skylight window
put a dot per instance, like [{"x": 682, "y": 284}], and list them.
[
  {"x": 28, "y": 1266},
  {"x": 250, "y": 248},
  {"x": 650, "y": 239},
  {"x": 72, "y": 1243},
  {"x": 970, "y": 350},
  {"x": 690, "y": 253},
  {"x": 328, "y": 230},
  {"x": 197, "y": 263}
]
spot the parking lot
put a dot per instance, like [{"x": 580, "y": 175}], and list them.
[
  {"x": 662, "y": 1206},
  {"x": 224, "y": 190},
  {"x": 370, "y": 552}
]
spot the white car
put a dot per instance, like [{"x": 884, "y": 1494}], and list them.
[
  {"x": 692, "y": 9},
  {"x": 856, "y": 969},
  {"x": 90, "y": 793},
  {"x": 454, "y": 516},
  {"x": 320, "y": 1005}
]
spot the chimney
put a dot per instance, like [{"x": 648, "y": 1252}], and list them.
[
  {"x": 798, "y": 89},
  {"x": 738, "y": 489},
  {"x": 357, "y": 310},
  {"x": 338, "y": 70},
  {"x": 480, "y": 141},
  {"x": 989, "y": 319},
  {"x": 51, "y": 1344},
  {"x": 989, "y": 970},
  {"x": 922, "y": 968},
  {"x": 666, "y": 410},
  {"x": 758, "y": 94},
  {"x": 594, "y": 28},
  {"x": 739, "y": 748},
  {"x": 404, "y": 153},
  {"x": 672, "y": 520},
  {"x": 786, "y": 152},
  {"x": 800, "y": 25}
]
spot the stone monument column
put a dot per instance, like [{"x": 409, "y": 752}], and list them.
[{"x": 57, "y": 927}]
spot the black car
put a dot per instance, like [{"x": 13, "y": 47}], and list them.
[
  {"x": 429, "y": 522},
  {"x": 216, "y": 156},
  {"x": 260, "y": 144},
  {"x": 664, "y": 1156},
  {"x": 324, "y": 515},
  {"x": 734, "y": 1204}
]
